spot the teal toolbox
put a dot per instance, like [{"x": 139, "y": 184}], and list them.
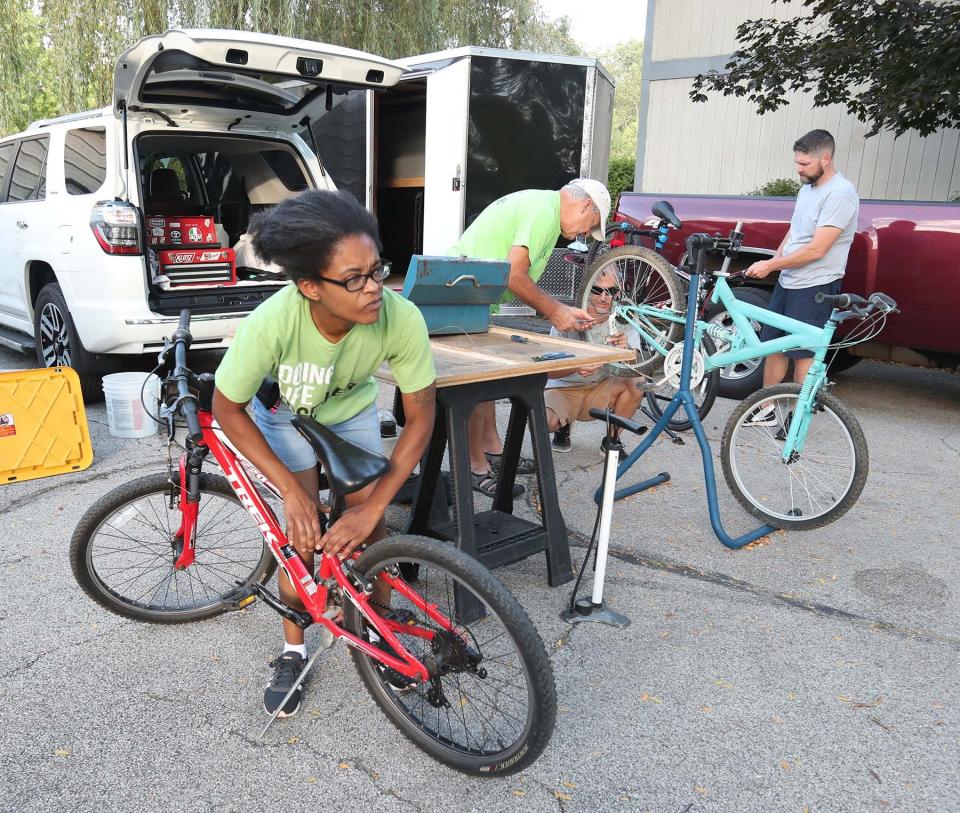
[{"x": 455, "y": 293}]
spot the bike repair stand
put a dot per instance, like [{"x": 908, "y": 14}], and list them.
[
  {"x": 697, "y": 246},
  {"x": 593, "y": 608}
]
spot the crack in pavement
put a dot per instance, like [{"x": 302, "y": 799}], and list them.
[
  {"x": 89, "y": 478},
  {"x": 771, "y": 596},
  {"x": 73, "y": 645}
]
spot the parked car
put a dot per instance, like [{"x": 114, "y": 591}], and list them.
[
  {"x": 113, "y": 220},
  {"x": 910, "y": 250}
]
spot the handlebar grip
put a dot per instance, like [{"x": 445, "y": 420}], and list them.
[
  {"x": 189, "y": 409},
  {"x": 184, "y": 319},
  {"x": 837, "y": 300}
]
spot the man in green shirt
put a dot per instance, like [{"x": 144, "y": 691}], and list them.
[
  {"x": 523, "y": 228},
  {"x": 321, "y": 339}
]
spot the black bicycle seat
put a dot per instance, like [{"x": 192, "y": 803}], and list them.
[
  {"x": 664, "y": 211},
  {"x": 348, "y": 467}
]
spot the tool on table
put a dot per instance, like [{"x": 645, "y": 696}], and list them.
[
  {"x": 522, "y": 339},
  {"x": 553, "y": 356}
]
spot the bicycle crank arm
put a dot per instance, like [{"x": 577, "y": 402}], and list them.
[
  {"x": 326, "y": 641},
  {"x": 298, "y": 617}
]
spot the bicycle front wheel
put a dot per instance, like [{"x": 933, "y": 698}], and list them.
[
  {"x": 640, "y": 277},
  {"x": 491, "y": 703},
  {"x": 822, "y": 481},
  {"x": 125, "y": 546}
]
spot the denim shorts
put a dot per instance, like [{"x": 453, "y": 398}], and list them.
[
  {"x": 295, "y": 452},
  {"x": 799, "y": 304}
]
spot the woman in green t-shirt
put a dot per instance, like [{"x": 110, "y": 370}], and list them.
[{"x": 321, "y": 339}]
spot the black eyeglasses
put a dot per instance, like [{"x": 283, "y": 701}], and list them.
[
  {"x": 613, "y": 293},
  {"x": 358, "y": 282}
]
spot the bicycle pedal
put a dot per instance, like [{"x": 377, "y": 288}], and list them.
[{"x": 241, "y": 599}]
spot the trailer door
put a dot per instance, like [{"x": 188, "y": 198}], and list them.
[{"x": 448, "y": 102}]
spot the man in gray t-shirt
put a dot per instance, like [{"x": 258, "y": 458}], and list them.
[{"x": 813, "y": 255}]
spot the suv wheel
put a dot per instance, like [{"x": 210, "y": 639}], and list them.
[{"x": 58, "y": 344}]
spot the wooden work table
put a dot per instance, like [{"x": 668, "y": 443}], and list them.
[
  {"x": 485, "y": 367},
  {"x": 470, "y": 358}
]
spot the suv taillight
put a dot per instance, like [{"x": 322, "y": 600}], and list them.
[{"x": 116, "y": 225}]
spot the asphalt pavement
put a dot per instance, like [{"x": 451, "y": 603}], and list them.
[{"x": 815, "y": 671}]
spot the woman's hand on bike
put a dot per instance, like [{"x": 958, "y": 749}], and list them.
[
  {"x": 303, "y": 525},
  {"x": 760, "y": 269},
  {"x": 351, "y": 530},
  {"x": 567, "y": 318}
]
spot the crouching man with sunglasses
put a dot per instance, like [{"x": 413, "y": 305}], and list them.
[{"x": 571, "y": 394}]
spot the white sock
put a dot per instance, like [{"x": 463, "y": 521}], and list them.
[{"x": 300, "y": 649}]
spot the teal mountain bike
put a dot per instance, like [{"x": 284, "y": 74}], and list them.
[{"x": 794, "y": 456}]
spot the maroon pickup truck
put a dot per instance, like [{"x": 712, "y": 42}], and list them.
[{"x": 908, "y": 250}]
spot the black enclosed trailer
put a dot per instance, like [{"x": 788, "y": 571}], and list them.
[{"x": 460, "y": 129}]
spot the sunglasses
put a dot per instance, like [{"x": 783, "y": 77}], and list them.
[{"x": 613, "y": 293}]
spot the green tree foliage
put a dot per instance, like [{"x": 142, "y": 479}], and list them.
[
  {"x": 778, "y": 187},
  {"x": 620, "y": 176},
  {"x": 892, "y": 63},
  {"x": 28, "y": 89},
  {"x": 625, "y": 64},
  {"x": 57, "y": 56}
]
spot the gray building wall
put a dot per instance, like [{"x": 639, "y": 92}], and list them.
[{"x": 723, "y": 146}]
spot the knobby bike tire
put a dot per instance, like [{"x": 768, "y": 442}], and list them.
[
  {"x": 659, "y": 281},
  {"x": 410, "y": 713},
  {"x": 96, "y": 585},
  {"x": 763, "y": 474}
]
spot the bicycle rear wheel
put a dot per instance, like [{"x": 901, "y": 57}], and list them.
[
  {"x": 124, "y": 548},
  {"x": 643, "y": 277},
  {"x": 491, "y": 704},
  {"x": 819, "y": 485}
]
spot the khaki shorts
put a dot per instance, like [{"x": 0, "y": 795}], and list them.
[{"x": 574, "y": 403}]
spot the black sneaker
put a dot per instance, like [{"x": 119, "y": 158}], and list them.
[
  {"x": 561, "y": 439},
  {"x": 287, "y": 669}
]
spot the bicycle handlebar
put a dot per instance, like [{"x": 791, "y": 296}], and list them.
[
  {"x": 857, "y": 304},
  {"x": 188, "y": 404}
]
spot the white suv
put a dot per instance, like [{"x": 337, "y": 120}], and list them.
[{"x": 114, "y": 220}]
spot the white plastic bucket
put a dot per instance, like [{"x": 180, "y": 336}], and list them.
[{"x": 126, "y": 415}]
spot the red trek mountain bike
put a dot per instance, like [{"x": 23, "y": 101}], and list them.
[{"x": 453, "y": 660}]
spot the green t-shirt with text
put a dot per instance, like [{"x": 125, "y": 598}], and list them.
[
  {"x": 330, "y": 382},
  {"x": 529, "y": 218}
]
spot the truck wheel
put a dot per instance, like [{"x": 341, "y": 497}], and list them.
[
  {"x": 58, "y": 344},
  {"x": 739, "y": 380}
]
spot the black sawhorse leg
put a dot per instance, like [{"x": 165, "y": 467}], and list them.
[{"x": 494, "y": 537}]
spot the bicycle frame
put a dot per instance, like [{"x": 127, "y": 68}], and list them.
[{"x": 331, "y": 572}]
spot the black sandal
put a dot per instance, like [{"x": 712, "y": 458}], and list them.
[
  {"x": 486, "y": 484},
  {"x": 525, "y": 466}
]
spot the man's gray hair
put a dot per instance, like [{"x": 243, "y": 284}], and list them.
[{"x": 579, "y": 193}]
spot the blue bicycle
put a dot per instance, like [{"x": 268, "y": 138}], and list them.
[{"x": 794, "y": 456}]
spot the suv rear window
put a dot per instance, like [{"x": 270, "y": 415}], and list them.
[
  {"x": 29, "y": 180},
  {"x": 286, "y": 168},
  {"x": 6, "y": 157},
  {"x": 85, "y": 160}
]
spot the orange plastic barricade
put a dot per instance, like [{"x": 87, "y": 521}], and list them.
[{"x": 43, "y": 425}]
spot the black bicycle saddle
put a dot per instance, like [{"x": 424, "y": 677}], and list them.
[{"x": 348, "y": 467}]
